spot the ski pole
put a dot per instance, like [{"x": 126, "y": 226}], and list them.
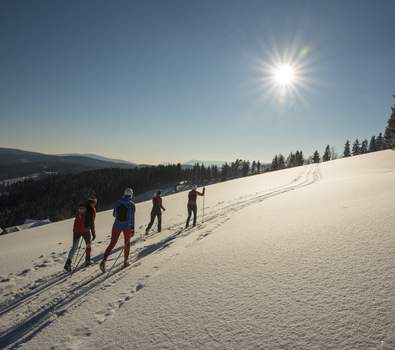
[
  {"x": 204, "y": 197},
  {"x": 78, "y": 250},
  {"x": 116, "y": 260},
  {"x": 79, "y": 261}
]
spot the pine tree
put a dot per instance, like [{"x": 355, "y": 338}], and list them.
[
  {"x": 347, "y": 151},
  {"x": 253, "y": 167},
  {"x": 364, "y": 146},
  {"x": 214, "y": 172},
  {"x": 194, "y": 173},
  {"x": 389, "y": 135},
  {"x": 380, "y": 142},
  {"x": 356, "y": 148},
  {"x": 372, "y": 144},
  {"x": 275, "y": 163},
  {"x": 327, "y": 154},
  {"x": 258, "y": 167},
  {"x": 203, "y": 173},
  {"x": 299, "y": 158},
  {"x": 291, "y": 160},
  {"x": 316, "y": 157},
  {"x": 245, "y": 167},
  {"x": 179, "y": 172},
  {"x": 281, "y": 161},
  {"x": 225, "y": 172}
]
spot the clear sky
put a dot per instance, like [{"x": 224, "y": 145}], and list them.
[{"x": 167, "y": 81}]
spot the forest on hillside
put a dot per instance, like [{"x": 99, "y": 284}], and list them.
[{"x": 57, "y": 196}]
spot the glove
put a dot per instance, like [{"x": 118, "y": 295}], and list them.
[{"x": 93, "y": 236}]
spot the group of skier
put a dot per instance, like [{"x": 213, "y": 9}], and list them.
[{"x": 124, "y": 214}]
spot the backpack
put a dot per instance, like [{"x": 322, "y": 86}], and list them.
[
  {"x": 79, "y": 221},
  {"x": 122, "y": 213}
]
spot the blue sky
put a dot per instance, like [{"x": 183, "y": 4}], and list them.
[{"x": 167, "y": 81}]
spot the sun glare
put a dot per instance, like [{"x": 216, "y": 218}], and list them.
[{"x": 284, "y": 75}]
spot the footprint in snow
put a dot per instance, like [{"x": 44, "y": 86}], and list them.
[
  {"x": 24, "y": 272},
  {"x": 83, "y": 331},
  {"x": 4, "y": 279},
  {"x": 139, "y": 286},
  {"x": 120, "y": 302},
  {"x": 102, "y": 315},
  {"x": 43, "y": 264},
  {"x": 203, "y": 235}
]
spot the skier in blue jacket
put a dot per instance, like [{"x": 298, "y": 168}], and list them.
[{"x": 124, "y": 212}]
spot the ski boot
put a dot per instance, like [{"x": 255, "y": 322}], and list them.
[
  {"x": 88, "y": 262},
  {"x": 67, "y": 265},
  {"x": 103, "y": 266},
  {"x": 126, "y": 264}
]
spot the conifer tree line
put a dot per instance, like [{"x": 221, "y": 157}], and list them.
[
  {"x": 201, "y": 174},
  {"x": 294, "y": 159},
  {"x": 376, "y": 143}
]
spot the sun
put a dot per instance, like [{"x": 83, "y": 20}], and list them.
[{"x": 283, "y": 75}]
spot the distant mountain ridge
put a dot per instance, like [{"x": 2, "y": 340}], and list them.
[
  {"x": 15, "y": 163},
  {"x": 98, "y": 157}
]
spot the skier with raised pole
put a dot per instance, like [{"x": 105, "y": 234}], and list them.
[
  {"x": 84, "y": 226},
  {"x": 124, "y": 212},
  {"x": 192, "y": 206},
  {"x": 156, "y": 212}
]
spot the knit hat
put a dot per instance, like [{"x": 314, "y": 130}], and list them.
[{"x": 128, "y": 192}]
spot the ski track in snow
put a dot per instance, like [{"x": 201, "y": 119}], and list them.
[{"x": 35, "y": 306}]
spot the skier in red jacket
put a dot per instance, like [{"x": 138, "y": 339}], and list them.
[
  {"x": 156, "y": 211},
  {"x": 84, "y": 226},
  {"x": 192, "y": 206}
]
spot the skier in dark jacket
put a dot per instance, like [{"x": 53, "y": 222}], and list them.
[
  {"x": 192, "y": 206},
  {"x": 84, "y": 226},
  {"x": 123, "y": 212},
  {"x": 156, "y": 211}
]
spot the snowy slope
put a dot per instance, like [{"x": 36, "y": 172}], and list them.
[{"x": 295, "y": 259}]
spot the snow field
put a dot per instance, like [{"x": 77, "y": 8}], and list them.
[{"x": 294, "y": 259}]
